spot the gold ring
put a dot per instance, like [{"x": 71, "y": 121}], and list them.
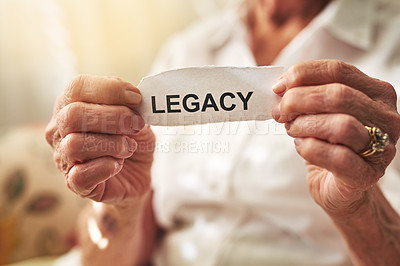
[{"x": 379, "y": 141}]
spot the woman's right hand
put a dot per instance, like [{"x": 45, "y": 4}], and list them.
[{"x": 101, "y": 145}]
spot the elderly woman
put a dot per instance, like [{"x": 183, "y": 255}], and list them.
[{"x": 248, "y": 206}]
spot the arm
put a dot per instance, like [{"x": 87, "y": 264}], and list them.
[
  {"x": 372, "y": 232},
  {"x": 325, "y": 106},
  {"x": 105, "y": 151},
  {"x": 126, "y": 234}
]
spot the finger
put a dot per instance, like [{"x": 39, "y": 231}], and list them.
[
  {"x": 344, "y": 163},
  {"x": 84, "y": 178},
  {"x": 336, "y": 129},
  {"x": 51, "y": 133},
  {"x": 145, "y": 140},
  {"x": 330, "y": 98},
  {"x": 333, "y": 71},
  {"x": 335, "y": 98},
  {"x": 81, "y": 147},
  {"x": 108, "y": 119},
  {"x": 100, "y": 90}
]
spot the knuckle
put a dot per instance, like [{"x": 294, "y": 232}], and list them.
[
  {"x": 115, "y": 88},
  {"x": 74, "y": 109},
  {"x": 118, "y": 83},
  {"x": 74, "y": 89},
  {"x": 67, "y": 117},
  {"x": 296, "y": 73},
  {"x": 337, "y": 69},
  {"x": 346, "y": 127},
  {"x": 335, "y": 65},
  {"x": 389, "y": 92},
  {"x": 72, "y": 144},
  {"x": 337, "y": 97}
]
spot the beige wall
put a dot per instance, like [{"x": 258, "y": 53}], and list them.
[
  {"x": 44, "y": 43},
  {"x": 121, "y": 37}
]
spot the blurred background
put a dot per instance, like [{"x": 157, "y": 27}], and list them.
[{"x": 44, "y": 43}]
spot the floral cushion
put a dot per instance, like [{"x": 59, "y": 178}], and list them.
[{"x": 37, "y": 211}]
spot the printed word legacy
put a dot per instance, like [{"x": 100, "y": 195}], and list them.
[{"x": 192, "y": 103}]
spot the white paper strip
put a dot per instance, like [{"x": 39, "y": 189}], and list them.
[{"x": 201, "y": 95}]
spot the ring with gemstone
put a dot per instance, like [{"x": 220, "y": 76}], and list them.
[{"x": 379, "y": 141}]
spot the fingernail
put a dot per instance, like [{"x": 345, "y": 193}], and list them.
[
  {"x": 137, "y": 122},
  {"x": 132, "y": 97},
  {"x": 131, "y": 144},
  {"x": 279, "y": 87},
  {"x": 298, "y": 141},
  {"x": 276, "y": 112}
]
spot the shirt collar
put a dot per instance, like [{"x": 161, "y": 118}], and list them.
[{"x": 352, "y": 21}]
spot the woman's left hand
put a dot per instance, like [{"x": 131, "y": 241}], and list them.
[{"x": 325, "y": 106}]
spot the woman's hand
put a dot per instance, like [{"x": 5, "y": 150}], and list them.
[
  {"x": 325, "y": 105},
  {"x": 102, "y": 146}
]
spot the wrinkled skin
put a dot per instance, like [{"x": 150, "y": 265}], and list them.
[
  {"x": 325, "y": 105},
  {"x": 101, "y": 145}
]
